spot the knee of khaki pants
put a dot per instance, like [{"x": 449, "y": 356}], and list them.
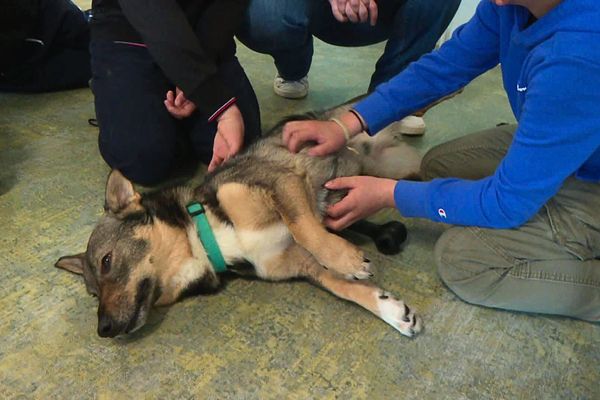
[
  {"x": 465, "y": 266},
  {"x": 472, "y": 156}
]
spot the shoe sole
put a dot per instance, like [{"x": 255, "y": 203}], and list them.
[
  {"x": 288, "y": 95},
  {"x": 412, "y": 131}
]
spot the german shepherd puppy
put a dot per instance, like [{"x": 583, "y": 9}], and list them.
[{"x": 265, "y": 207}]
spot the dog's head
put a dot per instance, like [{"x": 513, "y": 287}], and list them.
[{"x": 138, "y": 255}]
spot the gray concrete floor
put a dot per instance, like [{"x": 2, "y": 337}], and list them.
[{"x": 255, "y": 340}]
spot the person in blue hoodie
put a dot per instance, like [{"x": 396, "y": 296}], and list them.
[{"x": 524, "y": 199}]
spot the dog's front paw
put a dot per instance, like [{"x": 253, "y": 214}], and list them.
[
  {"x": 363, "y": 273},
  {"x": 396, "y": 313},
  {"x": 346, "y": 259}
]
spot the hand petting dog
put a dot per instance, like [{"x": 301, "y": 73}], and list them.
[
  {"x": 229, "y": 138},
  {"x": 366, "y": 195},
  {"x": 230, "y": 126}
]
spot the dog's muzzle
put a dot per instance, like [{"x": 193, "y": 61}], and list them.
[
  {"x": 111, "y": 327},
  {"x": 108, "y": 327}
]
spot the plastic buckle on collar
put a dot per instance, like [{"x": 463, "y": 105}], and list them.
[{"x": 195, "y": 209}]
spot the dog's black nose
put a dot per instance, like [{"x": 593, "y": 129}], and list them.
[{"x": 107, "y": 327}]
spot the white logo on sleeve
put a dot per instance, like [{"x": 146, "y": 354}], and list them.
[
  {"x": 521, "y": 89},
  {"x": 442, "y": 213}
]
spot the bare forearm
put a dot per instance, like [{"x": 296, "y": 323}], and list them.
[{"x": 353, "y": 122}]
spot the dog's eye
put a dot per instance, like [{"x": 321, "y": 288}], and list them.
[{"x": 106, "y": 263}]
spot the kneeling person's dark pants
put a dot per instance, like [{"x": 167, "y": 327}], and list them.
[{"x": 138, "y": 136}]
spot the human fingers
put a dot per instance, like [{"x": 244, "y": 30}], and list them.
[
  {"x": 235, "y": 140},
  {"x": 354, "y": 5},
  {"x": 337, "y": 10},
  {"x": 297, "y": 139},
  {"x": 328, "y": 140},
  {"x": 347, "y": 182},
  {"x": 351, "y": 9},
  {"x": 373, "y": 12},
  {"x": 232, "y": 144},
  {"x": 324, "y": 148},
  {"x": 187, "y": 109},
  {"x": 170, "y": 97},
  {"x": 288, "y": 130},
  {"x": 235, "y": 147},
  {"x": 363, "y": 12},
  {"x": 337, "y": 224},
  {"x": 295, "y": 133},
  {"x": 180, "y": 99},
  {"x": 344, "y": 206},
  {"x": 215, "y": 162},
  {"x": 174, "y": 111}
]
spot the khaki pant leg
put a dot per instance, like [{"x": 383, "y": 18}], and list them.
[
  {"x": 549, "y": 265},
  {"x": 473, "y": 156}
]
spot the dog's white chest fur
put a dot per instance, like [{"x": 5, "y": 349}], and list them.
[{"x": 255, "y": 246}]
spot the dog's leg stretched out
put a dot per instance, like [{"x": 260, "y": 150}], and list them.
[
  {"x": 313, "y": 247},
  {"x": 296, "y": 261}
]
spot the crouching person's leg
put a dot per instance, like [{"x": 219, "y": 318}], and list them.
[
  {"x": 137, "y": 134},
  {"x": 523, "y": 269}
]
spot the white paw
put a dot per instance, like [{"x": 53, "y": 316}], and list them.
[
  {"x": 396, "y": 313},
  {"x": 363, "y": 273}
]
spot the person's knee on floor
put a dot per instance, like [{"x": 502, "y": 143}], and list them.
[
  {"x": 194, "y": 90},
  {"x": 147, "y": 164},
  {"x": 461, "y": 271}
]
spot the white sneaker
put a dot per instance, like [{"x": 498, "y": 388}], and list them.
[
  {"x": 291, "y": 89},
  {"x": 411, "y": 126}
]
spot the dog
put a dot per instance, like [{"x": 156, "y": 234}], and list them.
[{"x": 265, "y": 208}]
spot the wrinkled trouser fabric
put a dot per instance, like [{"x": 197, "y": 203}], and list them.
[
  {"x": 138, "y": 136},
  {"x": 549, "y": 265},
  {"x": 284, "y": 29}
]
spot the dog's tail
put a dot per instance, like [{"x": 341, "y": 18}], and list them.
[{"x": 386, "y": 155}]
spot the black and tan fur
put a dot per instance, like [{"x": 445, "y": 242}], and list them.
[{"x": 265, "y": 207}]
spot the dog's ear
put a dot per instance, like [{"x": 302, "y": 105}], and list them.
[
  {"x": 72, "y": 263},
  {"x": 77, "y": 264},
  {"x": 120, "y": 196}
]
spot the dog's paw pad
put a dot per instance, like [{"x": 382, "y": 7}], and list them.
[{"x": 396, "y": 313}]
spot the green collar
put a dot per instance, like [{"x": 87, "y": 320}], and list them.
[{"x": 207, "y": 238}]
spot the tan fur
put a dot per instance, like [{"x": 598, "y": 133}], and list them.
[
  {"x": 264, "y": 207},
  {"x": 259, "y": 211},
  {"x": 170, "y": 248},
  {"x": 295, "y": 262},
  {"x": 248, "y": 208},
  {"x": 330, "y": 250}
]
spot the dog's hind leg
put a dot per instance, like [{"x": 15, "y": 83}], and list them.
[
  {"x": 386, "y": 156},
  {"x": 296, "y": 261}
]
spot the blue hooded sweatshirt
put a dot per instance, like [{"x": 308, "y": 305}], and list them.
[{"x": 551, "y": 74}]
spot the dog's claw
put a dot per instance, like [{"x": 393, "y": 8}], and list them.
[
  {"x": 363, "y": 273},
  {"x": 398, "y": 314}
]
